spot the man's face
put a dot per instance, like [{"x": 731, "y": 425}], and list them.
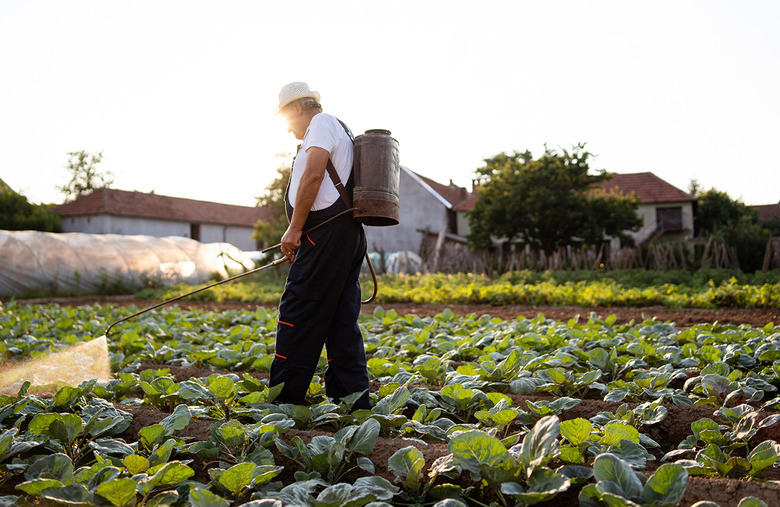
[{"x": 293, "y": 115}]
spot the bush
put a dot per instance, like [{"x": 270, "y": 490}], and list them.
[{"x": 17, "y": 214}]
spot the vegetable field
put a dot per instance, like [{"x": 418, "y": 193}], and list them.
[
  {"x": 626, "y": 288},
  {"x": 466, "y": 410}
]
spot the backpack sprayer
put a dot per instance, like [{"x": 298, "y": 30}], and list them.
[{"x": 376, "y": 171}]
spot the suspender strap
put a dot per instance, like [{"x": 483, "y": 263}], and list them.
[
  {"x": 337, "y": 183},
  {"x": 334, "y": 176}
]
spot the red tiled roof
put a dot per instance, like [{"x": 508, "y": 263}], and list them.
[
  {"x": 468, "y": 204},
  {"x": 138, "y": 204},
  {"x": 452, "y": 193},
  {"x": 647, "y": 187},
  {"x": 767, "y": 211}
]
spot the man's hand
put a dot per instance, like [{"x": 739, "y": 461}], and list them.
[
  {"x": 290, "y": 243},
  {"x": 309, "y": 186}
]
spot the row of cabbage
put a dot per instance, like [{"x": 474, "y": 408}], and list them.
[
  {"x": 65, "y": 450},
  {"x": 635, "y": 362}
]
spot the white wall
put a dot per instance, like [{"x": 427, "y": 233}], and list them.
[
  {"x": 463, "y": 225},
  {"x": 108, "y": 224},
  {"x": 418, "y": 209},
  {"x": 647, "y": 213},
  {"x": 240, "y": 237}
]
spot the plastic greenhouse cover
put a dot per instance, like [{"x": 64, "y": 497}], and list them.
[{"x": 32, "y": 261}]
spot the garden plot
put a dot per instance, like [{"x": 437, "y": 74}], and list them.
[{"x": 472, "y": 409}]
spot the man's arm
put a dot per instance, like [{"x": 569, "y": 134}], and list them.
[{"x": 309, "y": 186}]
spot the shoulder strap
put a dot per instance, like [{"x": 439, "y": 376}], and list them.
[
  {"x": 334, "y": 176},
  {"x": 337, "y": 183},
  {"x": 346, "y": 129}
]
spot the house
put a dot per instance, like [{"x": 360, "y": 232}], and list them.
[
  {"x": 112, "y": 211},
  {"x": 666, "y": 211},
  {"x": 425, "y": 205},
  {"x": 427, "y": 208},
  {"x": 767, "y": 212}
]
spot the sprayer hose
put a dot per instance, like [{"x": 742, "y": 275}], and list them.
[{"x": 368, "y": 260}]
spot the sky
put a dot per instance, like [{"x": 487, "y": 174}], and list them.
[{"x": 179, "y": 96}]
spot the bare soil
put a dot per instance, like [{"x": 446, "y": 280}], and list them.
[{"x": 669, "y": 432}]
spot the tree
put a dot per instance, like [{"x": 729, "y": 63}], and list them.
[
  {"x": 84, "y": 175},
  {"x": 749, "y": 239},
  {"x": 269, "y": 232},
  {"x": 716, "y": 210},
  {"x": 736, "y": 223},
  {"x": 772, "y": 225},
  {"x": 694, "y": 188},
  {"x": 547, "y": 203},
  {"x": 18, "y": 214}
]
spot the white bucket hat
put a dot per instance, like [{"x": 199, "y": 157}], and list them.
[{"x": 293, "y": 92}]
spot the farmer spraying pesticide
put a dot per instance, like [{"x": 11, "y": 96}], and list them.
[{"x": 321, "y": 301}]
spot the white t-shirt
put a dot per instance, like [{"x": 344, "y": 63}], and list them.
[{"x": 324, "y": 132}]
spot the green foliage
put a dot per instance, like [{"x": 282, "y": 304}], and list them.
[
  {"x": 431, "y": 368},
  {"x": 547, "y": 202},
  {"x": 329, "y": 456},
  {"x": 716, "y": 210},
  {"x": 522, "y": 473},
  {"x": 627, "y": 288},
  {"x": 269, "y": 232},
  {"x": 618, "y": 485},
  {"x": 85, "y": 434},
  {"x": 587, "y": 290},
  {"x": 407, "y": 465},
  {"x": 67, "y": 448},
  {"x": 749, "y": 238},
  {"x": 719, "y": 215},
  {"x": 218, "y": 391},
  {"x": 562, "y": 382},
  {"x": 728, "y": 454},
  {"x": 161, "y": 392},
  {"x": 84, "y": 176},
  {"x": 365, "y": 490},
  {"x": 463, "y": 401},
  {"x": 719, "y": 385},
  {"x": 240, "y": 478},
  {"x": 18, "y": 214}
]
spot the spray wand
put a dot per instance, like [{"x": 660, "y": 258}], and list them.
[
  {"x": 250, "y": 272},
  {"x": 182, "y": 296}
]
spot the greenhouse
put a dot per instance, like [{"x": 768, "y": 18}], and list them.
[{"x": 33, "y": 262}]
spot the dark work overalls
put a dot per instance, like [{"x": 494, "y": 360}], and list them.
[{"x": 320, "y": 306}]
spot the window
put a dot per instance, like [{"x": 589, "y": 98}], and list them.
[
  {"x": 195, "y": 231},
  {"x": 669, "y": 218}
]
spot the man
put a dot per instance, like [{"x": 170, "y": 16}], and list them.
[{"x": 321, "y": 300}]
